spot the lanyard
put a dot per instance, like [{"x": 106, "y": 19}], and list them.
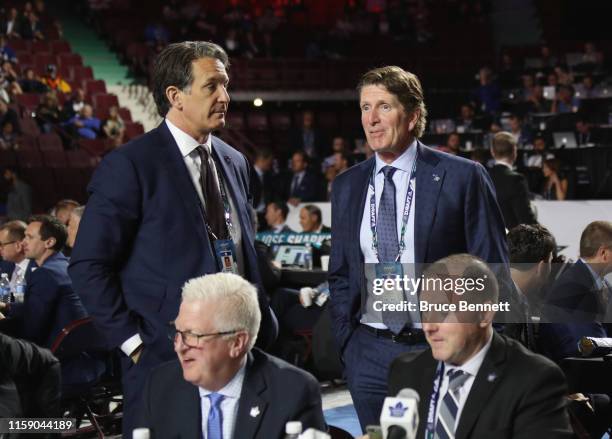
[
  {"x": 433, "y": 402},
  {"x": 227, "y": 210},
  {"x": 405, "y": 215}
]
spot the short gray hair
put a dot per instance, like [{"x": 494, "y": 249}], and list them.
[{"x": 240, "y": 308}]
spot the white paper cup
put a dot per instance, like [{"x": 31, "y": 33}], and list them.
[{"x": 324, "y": 262}]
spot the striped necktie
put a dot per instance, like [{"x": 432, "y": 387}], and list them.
[{"x": 447, "y": 415}]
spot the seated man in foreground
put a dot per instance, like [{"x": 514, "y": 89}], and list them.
[
  {"x": 221, "y": 386},
  {"x": 472, "y": 382}
]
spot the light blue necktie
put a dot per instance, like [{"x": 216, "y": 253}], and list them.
[
  {"x": 214, "y": 427},
  {"x": 447, "y": 416}
]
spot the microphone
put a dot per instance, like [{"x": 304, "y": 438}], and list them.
[
  {"x": 595, "y": 347},
  {"x": 399, "y": 417}
]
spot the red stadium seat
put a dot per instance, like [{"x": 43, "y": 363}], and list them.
[
  {"x": 79, "y": 158},
  {"x": 93, "y": 86},
  {"x": 29, "y": 158},
  {"x": 37, "y": 47},
  {"x": 69, "y": 59},
  {"x": 19, "y": 45},
  {"x": 29, "y": 125},
  {"x": 50, "y": 142},
  {"x": 104, "y": 100},
  {"x": 28, "y": 143},
  {"x": 96, "y": 147},
  {"x": 42, "y": 60},
  {"x": 60, "y": 46},
  {"x": 44, "y": 190},
  {"x": 125, "y": 114},
  {"x": 235, "y": 120},
  {"x": 280, "y": 121},
  {"x": 81, "y": 73},
  {"x": 28, "y": 101},
  {"x": 8, "y": 158},
  {"x": 257, "y": 121},
  {"x": 55, "y": 159},
  {"x": 25, "y": 58},
  {"x": 133, "y": 129}
]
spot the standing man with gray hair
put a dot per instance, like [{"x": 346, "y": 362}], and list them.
[
  {"x": 222, "y": 387},
  {"x": 164, "y": 208},
  {"x": 407, "y": 204}
]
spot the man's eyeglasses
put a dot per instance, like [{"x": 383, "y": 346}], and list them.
[
  {"x": 192, "y": 339},
  {"x": 3, "y": 244}
]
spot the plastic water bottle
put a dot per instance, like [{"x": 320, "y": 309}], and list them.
[
  {"x": 293, "y": 429},
  {"x": 20, "y": 287},
  {"x": 5, "y": 288}
]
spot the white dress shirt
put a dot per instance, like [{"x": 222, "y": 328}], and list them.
[
  {"x": 471, "y": 367},
  {"x": 229, "y": 406},
  {"x": 19, "y": 272}
]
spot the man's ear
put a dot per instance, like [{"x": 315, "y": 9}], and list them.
[
  {"x": 414, "y": 117},
  {"x": 175, "y": 97},
  {"x": 50, "y": 243}
]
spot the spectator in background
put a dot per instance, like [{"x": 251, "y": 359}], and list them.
[
  {"x": 584, "y": 131},
  {"x": 31, "y": 84},
  {"x": 12, "y": 250},
  {"x": 547, "y": 59},
  {"x": 565, "y": 101},
  {"x": 465, "y": 122},
  {"x": 528, "y": 84},
  {"x": 6, "y": 52},
  {"x": 555, "y": 185},
  {"x": 114, "y": 127},
  {"x": 510, "y": 186},
  {"x": 591, "y": 55},
  {"x": 536, "y": 102},
  {"x": 11, "y": 27},
  {"x": 31, "y": 29},
  {"x": 8, "y": 138},
  {"x": 54, "y": 80},
  {"x": 63, "y": 209},
  {"x": 75, "y": 104},
  {"x": 453, "y": 144},
  {"x": 521, "y": 133},
  {"x": 301, "y": 184},
  {"x": 488, "y": 93},
  {"x": 311, "y": 220},
  {"x": 156, "y": 33},
  {"x": 8, "y": 116},
  {"x": 308, "y": 138},
  {"x": 19, "y": 197},
  {"x": 338, "y": 145},
  {"x": 48, "y": 112},
  {"x": 73, "y": 225},
  {"x": 84, "y": 123},
  {"x": 344, "y": 160},
  {"x": 536, "y": 158},
  {"x": 262, "y": 182},
  {"x": 276, "y": 217}
]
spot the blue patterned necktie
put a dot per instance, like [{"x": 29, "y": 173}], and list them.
[
  {"x": 447, "y": 416},
  {"x": 386, "y": 227},
  {"x": 214, "y": 427}
]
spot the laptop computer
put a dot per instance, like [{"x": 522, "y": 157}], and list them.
[
  {"x": 294, "y": 256},
  {"x": 565, "y": 139}
]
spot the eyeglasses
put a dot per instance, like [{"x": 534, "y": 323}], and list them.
[
  {"x": 3, "y": 244},
  {"x": 192, "y": 339}
]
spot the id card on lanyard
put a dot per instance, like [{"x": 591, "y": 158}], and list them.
[
  {"x": 225, "y": 249},
  {"x": 433, "y": 402}
]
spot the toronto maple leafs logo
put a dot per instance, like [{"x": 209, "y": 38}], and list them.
[{"x": 397, "y": 411}]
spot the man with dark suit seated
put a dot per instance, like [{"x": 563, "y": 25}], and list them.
[
  {"x": 30, "y": 380},
  {"x": 510, "y": 186},
  {"x": 168, "y": 206},
  {"x": 407, "y": 204},
  {"x": 14, "y": 261},
  {"x": 531, "y": 250},
  {"x": 311, "y": 220},
  {"x": 301, "y": 185},
  {"x": 50, "y": 302},
  {"x": 221, "y": 386},
  {"x": 276, "y": 217},
  {"x": 578, "y": 303},
  {"x": 473, "y": 382}
]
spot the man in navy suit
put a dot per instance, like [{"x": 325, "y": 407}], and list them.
[
  {"x": 50, "y": 302},
  {"x": 580, "y": 302},
  {"x": 221, "y": 386},
  {"x": 301, "y": 185},
  {"x": 159, "y": 207},
  {"x": 451, "y": 208},
  {"x": 14, "y": 261}
]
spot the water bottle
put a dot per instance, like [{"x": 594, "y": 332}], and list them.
[
  {"x": 293, "y": 429},
  {"x": 5, "y": 288},
  {"x": 20, "y": 287}
]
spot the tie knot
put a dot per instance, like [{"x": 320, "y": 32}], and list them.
[
  {"x": 215, "y": 399},
  {"x": 456, "y": 378},
  {"x": 388, "y": 171}
]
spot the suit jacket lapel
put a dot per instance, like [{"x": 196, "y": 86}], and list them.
[
  {"x": 487, "y": 378},
  {"x": 188, "y": 420},
  {"x": 253, "y": 402},
  {"x": 429, "y": 180},
  {"x": 179, "y": 176},
  {"x": 357, "y": 203}
]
